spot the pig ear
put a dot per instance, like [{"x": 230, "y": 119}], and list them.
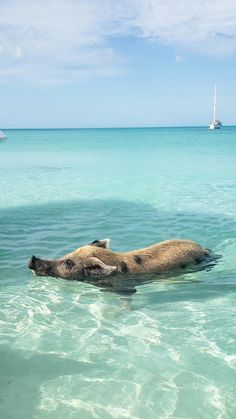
[
  {"x": 96, "y": 267},
  {"x": 101, "y": 243}
]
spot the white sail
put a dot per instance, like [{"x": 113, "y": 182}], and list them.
[
  {"x": 216, "y": 124},
  {"x": 214, "y": 105}
]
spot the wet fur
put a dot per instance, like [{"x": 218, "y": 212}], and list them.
[
  {"x": 96, "y": 259},
  {"x": 159, "y": 258}
]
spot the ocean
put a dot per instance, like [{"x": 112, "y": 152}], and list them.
[{"x": 72, "y": 350}]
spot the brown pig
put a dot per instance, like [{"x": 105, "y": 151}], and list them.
[{"x": 96, "y": 260}]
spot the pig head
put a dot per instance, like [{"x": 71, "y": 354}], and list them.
[{"x": 86, "y": 261}]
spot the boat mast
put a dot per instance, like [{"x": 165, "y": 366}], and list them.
[{"x": 214, "y": 106}]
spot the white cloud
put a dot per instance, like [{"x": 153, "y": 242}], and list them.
[
  {"x": 19, "y": 53},
  {"x": 70, "y": 39},
  {"x": 207, "y": 27}
]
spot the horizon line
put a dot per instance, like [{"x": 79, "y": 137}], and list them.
[{"x": 113, "y": 127}]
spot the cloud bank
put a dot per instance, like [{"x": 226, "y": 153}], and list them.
[{"x": 66, "y": 40}]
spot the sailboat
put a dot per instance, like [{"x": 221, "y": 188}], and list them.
[
  {"x": 216, "y": 124},
  {"x": 2, "y": 135}
]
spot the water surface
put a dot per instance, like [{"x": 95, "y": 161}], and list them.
[{"x": 70, "y": 350}]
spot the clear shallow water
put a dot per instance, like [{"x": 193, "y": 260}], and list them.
[{"x": 69, "y": 350}]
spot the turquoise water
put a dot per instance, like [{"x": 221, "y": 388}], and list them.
[{"x": 71, "y": 350}]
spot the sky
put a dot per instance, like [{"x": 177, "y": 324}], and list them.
[{"x": 116, "y": 63}]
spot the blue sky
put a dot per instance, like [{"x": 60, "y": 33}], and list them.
[{"x": 104, "y": 63}]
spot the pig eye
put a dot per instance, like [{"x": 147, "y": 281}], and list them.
[{"x": 69, "y": 263}]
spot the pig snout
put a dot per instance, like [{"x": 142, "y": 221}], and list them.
[
  {"x": 32, "y": 263},
  {"x": 41, "y": 267}
]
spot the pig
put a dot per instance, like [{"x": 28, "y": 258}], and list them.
[{"x": 95, "y": 260}]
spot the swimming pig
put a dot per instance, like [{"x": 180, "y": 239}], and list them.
[{"x": 96, "y": 260}]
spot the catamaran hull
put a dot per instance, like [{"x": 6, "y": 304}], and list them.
[{"x": 215, "y": 125}]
